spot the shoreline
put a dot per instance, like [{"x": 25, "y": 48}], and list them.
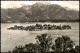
[{"x": 43, "y": 22}]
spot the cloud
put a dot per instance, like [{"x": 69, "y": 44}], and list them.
[
  {"x": 70, "y": 4},
  {"x": 15, "y": 4}
]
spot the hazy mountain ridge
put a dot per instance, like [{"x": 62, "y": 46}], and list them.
[{"x": 39, "y": 12}]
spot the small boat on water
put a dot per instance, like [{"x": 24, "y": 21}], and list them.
[{"x": 9, "y": 38}]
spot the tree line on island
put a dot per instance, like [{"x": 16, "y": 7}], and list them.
[
  {"x": 44, "y": 44},
  {"x": 39, "y": 27}
]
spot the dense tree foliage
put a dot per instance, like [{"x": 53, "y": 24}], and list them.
[
  {"x": 44, "y": 41},
  {"x": 44, "y": 44},
  {"x": 31, "y": 47},
  {"x": 63, "y": 43}
]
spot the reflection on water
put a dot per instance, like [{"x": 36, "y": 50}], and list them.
[{"x": 12, "y": 38}]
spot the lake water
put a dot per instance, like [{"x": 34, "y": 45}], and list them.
[{"x": 12, "y": 38}]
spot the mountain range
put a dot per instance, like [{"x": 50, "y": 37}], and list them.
[{"x": 39, "y": 12}]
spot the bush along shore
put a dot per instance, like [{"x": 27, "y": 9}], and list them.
[
  {"x": 39, "y": 27},
  {"x": 44, "y": 44}
]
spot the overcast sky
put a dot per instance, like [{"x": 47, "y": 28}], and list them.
[{"x": 16, "y": 4}]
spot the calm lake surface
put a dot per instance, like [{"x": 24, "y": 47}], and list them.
[{"x": 12, "y": 38}]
